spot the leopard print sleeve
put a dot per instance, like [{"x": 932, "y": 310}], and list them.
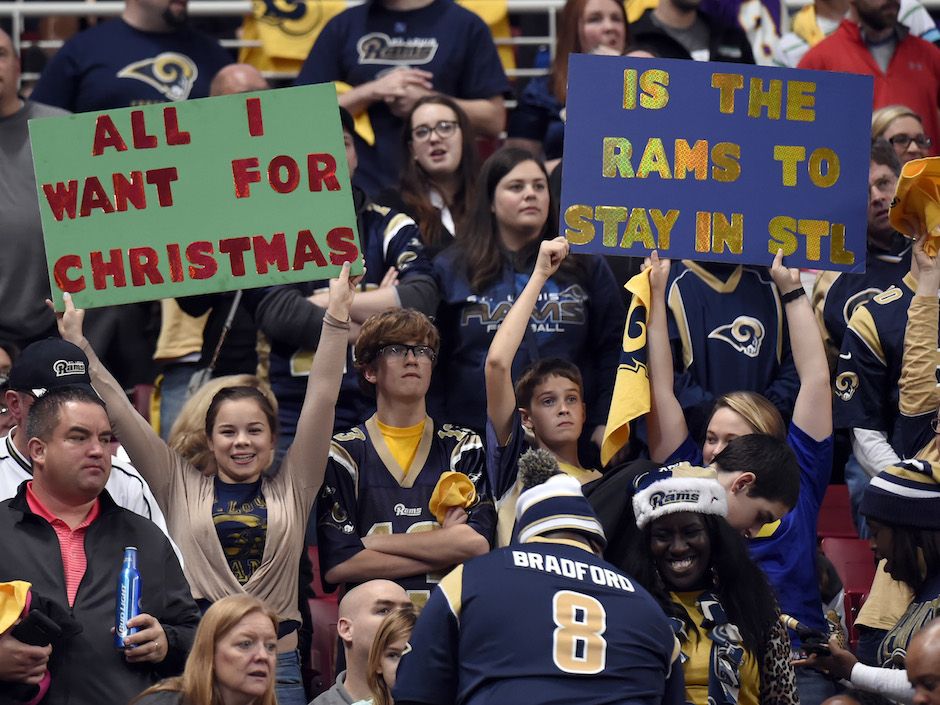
[{"x": 777, "y": 679}]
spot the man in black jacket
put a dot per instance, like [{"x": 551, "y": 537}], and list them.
[{"x": 64, "y": 534}]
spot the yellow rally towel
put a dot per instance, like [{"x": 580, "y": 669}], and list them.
[
  {"x": 12, "y": 602},
  {"x": 632, "y": 387},
  {"x": 806, "y": 27},
  {"x": 496, "y": 15},
  {"x": 454, "y": 489},
  {"x": 916, "y": 205},
  {"x": 287, "y": 31},
  {"x": 636, "y": 8}
]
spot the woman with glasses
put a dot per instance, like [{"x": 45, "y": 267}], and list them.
[
  {"x": 586, "y": 26},
  {"x": 903, "y": 129},
  {"x": 240, "y": 529},
  {"x": 439, "y": 177},
  {"x": 578, "y": 315}
]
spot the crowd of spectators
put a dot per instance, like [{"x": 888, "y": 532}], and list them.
[{"x": 434, "y": 426}]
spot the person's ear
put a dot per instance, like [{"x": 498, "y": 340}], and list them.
[
  {"x": 37, "y": 450},
  {"x": 368, "y": 372},
  {"x": 742, "y": 482},
  {"x": 525, "y": 418},
  {"x": 344, "y": 628}
]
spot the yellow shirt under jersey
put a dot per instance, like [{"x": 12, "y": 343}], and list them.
[
  {"x": 698, "y": 656},
  {"x": 402, "y": 442}
]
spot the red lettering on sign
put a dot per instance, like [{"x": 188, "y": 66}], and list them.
[
  {"x": 290, "y": 180},
  {"x": 171, "y": 127},
  {"x": 129, "y": 190},
  {"x": 106, "y": 135},
  {"x": 62, "y": 199},
  {"x": 176, "y": 262},
  {"x": 235, "y": 248},
  {"x": 255, "y": 120},
  {"x": 60, "y": 272},
  {"x": 322, "y": 168},
  {"x": 245, "y": 172},
  {"x": 306, "y": 250},
  {"x": 162, "y": 178},
  {"x": 101, "y": 269},
  {"x": 94, "y": 196},
  {"x": 142, "y": 140},
  {"x": 342, "y": 244},
  {"x": 143, "y": 265},
  {"x": 268, "y": 253},
  {"x": 202, "y": 263}
]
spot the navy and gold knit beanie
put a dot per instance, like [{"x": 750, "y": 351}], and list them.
[{"x": 906, "y": 494}]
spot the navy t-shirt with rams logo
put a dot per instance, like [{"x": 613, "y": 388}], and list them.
[{"x": 114, "y": 65}]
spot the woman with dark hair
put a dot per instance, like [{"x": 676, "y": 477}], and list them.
[
  {"x": 240, "y": 529},
  {"x": 586, "y": 26},
  {"x": 902, "y": 506},
  {"x": 734, "y": 649},
  {"x": 438, "y": 179},
  {"x": 578, "y": 315}
]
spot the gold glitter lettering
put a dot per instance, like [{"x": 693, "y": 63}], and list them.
[
  {"x": 727, "y": 84},
  {"x": 693, "y": 159},
  {"x": 617, "y": 153},
  {"x": 578, "y": 218},
  {"x": 611, "y": 216},
  {"x": 826, "y": 156},
  {"x": 654, "y": 160},
  {"x": 801, "y": 101},
  {"x": 769, "y": 98},
  {"x": 789, "y": 157}
]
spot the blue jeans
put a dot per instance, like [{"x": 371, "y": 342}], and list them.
[
  {"x": 173, "y": 393},
  {"x": 289, "y": 687},
  {"x": 813, "y": 687},
  {"x": 856, "y": 479}
]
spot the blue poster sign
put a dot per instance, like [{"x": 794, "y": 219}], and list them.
[{"x": 716, "y": 162}]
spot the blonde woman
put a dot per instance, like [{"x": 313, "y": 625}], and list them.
[
  {"x": 390, "y": 644},
  {"x": 903, "y": 129},
  {"x": 232, "y": 661}
]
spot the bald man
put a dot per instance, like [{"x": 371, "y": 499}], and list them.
[
  {"x": 238, "y": 78},
  {"x": 923, "y": 664},
  {"x": 361, "y": 611}
]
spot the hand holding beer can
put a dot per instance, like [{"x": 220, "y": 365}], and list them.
[{"x": 128, "y": 597}]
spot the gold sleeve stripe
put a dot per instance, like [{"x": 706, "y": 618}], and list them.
[
  {"x": 674, "y": 300},
  {"x": 863, "y": 325},
  {"x": 452, "y": 587}
]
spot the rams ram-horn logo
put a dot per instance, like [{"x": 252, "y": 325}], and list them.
[
  {"x": 295, "y": 18},
  {"x": 170, "y": 73},
  {"x": 746, "y": 335},
  {"x": 846, "y": 384}
]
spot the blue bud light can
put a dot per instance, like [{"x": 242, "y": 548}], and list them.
[{"x": 128, "y": 597}]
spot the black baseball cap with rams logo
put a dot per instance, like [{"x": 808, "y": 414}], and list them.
[{"x": 50, "y": 364}]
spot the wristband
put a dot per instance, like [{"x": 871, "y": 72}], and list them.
[
  {"x": 332, "y": 321},
  {"x": 792, "y": 295}
]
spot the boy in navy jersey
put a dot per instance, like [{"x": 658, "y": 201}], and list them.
[
  {"x": 374, "y": 514},
  {"x": 542, "y": 621},
  {"x": 547, "y": 402}
]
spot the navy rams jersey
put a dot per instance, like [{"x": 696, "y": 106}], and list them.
[
  {"x": 729, "y": 333},
  {"x": 544, "y": 622},
  {"x": 866, "y": 383},
  {"x": 366, "y": 492},
  {"x": 919, "y": 385},
  {"x": 836, "y": 295}
]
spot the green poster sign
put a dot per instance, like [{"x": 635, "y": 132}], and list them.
[{"x": 195, "y": 197}]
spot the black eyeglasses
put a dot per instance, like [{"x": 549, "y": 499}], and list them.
[
  {"x": 444, "y": 129},
  {"x": 903, "y": 141},
  {"x": 401, "y": 350}
]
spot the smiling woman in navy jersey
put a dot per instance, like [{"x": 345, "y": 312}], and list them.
[{"x": 578, "y": 315}]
